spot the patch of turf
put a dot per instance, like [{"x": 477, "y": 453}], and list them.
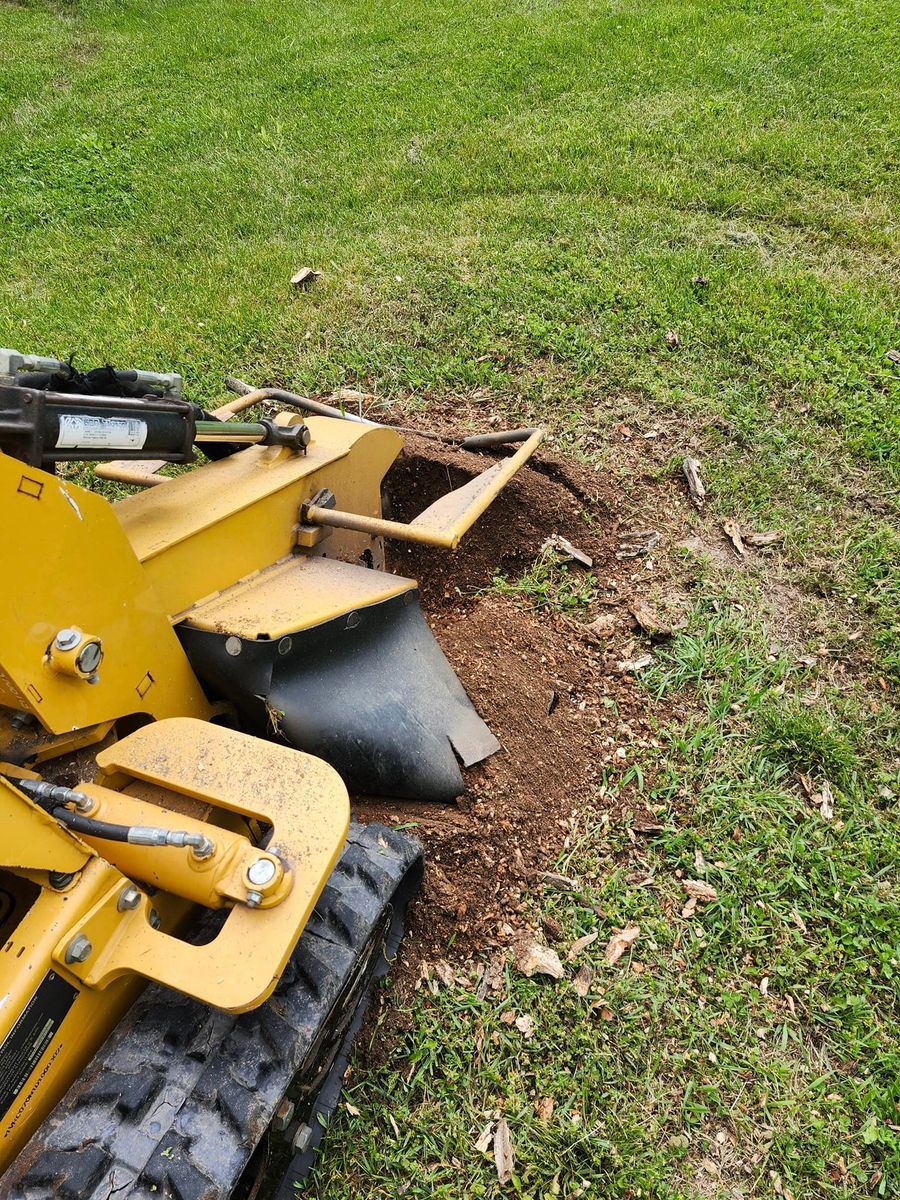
[
  {"x": 749, "y": 1049},
  {"x": 522, "y": 201}
]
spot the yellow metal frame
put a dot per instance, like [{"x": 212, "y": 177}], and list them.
[
  {"x": 443, "y": 523},
  {"x": 236, "y": 543},
  {"x": 301, "y": 797}
]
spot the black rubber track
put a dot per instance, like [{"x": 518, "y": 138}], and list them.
[{"x": 176, "y": 1101}]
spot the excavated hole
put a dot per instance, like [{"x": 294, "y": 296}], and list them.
[{"x": 548, "y": 688}]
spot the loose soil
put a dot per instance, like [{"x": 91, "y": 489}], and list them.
[{"x": 552, "y": 690}]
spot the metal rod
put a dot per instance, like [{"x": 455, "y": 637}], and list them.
[
  {"x": 375, "y": 526},
  {"x": 229, "y": 431},
  {"x": 483, "y": 441},
  {"x": 293, "y": 400}
]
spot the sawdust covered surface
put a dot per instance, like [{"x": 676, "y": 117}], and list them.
[{"x": 550, "y": 690}]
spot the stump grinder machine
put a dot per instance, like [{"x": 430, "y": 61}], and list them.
[{"x": 193, "y": 679}]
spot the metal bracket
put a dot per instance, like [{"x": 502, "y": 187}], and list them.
[{"x": 304, "y": 801}]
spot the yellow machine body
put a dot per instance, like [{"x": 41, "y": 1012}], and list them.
[{"x": 98, "y": 694}]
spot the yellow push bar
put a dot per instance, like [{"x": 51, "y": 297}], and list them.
[{"x": 443, "y": 523}]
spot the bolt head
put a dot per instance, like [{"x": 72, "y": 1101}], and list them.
[
  {"x": 301, "y": 1138},
  {"x": 261, "y": 872},
  {"x": 283, "y": 1116},
  {"x": 129, "y": 897},
  {"x": 254, "y": 899},
  {"x": 90, "y": 657},
  {"x": 79, "y": 949},
  {"x": 233, "y": 646},
  {"x": 154, "y": 918},
  {"x": 67, "y": 639}
]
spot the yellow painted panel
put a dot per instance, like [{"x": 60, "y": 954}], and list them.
[
  {"x": 68, "y": 564},
  {"x": 296, "y": 593},
  {"x": 208, "y": 528}
]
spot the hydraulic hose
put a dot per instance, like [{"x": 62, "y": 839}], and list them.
[{"x": 54, "y": 797}]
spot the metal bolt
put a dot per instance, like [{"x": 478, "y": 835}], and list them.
[
  {"x": 301, "y": 1138},
  {"x": 67, "y": 639},
  {"x": 254, "y": 899},
  {"x": 129, "y": 897},
  {"x": 283, "y": 1116},
  {"x": 60, "y": 879},
  {"x": 284, "y": 646},
  {"x": 352, "y": 620},
  {"x": 153, "y": 918},
  {"x": 89, "y": 659},
  {"x": 261, "y": 872},
  {"x": 78, "y": 949},
  {"x": 233, "y": 646}
]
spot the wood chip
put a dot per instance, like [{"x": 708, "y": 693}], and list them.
[
  {"x": 534, "y": 959},
  {"x": 582, "y": 981},
  {"x": 602, "y": 626},
  {"x": 703, "y": 893},
  {"x": 640, "y": 541},
  {"x": 826, "y": 802},
  {"x": 648, "y": 619},
  {"x": 581, "y": 944},
  {"x": 544, "y": 1108},
  {"x": 525, "y": 1026},
  {"x": 644, "y": 821},
  {"x": 769, "y": 538},
  {"x": 305, "y": 278},
  {"x": 633, "y": 665},
  {"x": 504, "y": 1159},
  {"x": 564, "y": 547},
  {"x": 552, "y": 928},
  {"x": 696, "y": 490},
  {"x": 559, "y": 883},
  {"x": 619, "y": 943},
  {"x": 732, "y": 531}
]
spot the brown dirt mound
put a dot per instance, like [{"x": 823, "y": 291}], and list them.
[
  {"x": 549, "y": 688},
  {"x": 548, "y": 496}
]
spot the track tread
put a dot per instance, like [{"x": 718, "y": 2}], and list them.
[{"x": 175, "y": 1102}]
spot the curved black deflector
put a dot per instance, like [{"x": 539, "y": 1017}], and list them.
[{"x": 370, "y": 692}]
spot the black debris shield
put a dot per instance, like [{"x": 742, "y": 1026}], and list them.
[{"x": 370, "y": 692}]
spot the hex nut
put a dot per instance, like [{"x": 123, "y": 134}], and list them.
[
  {"x": 301, "y": 1138},
  {"x": 129, "y": 898},
  {"x": 79, "y": 949},
  {"x": 283, "y": 1116}
]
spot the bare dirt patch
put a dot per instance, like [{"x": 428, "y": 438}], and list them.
[{"x": 555, "y": 692}]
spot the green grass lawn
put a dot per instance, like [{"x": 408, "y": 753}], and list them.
[{"x": 523, "y": 200}]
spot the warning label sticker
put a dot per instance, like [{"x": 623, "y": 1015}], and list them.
[
  {"x": 32, "y": 1033},
  {"x": 100, "y": 433}
]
